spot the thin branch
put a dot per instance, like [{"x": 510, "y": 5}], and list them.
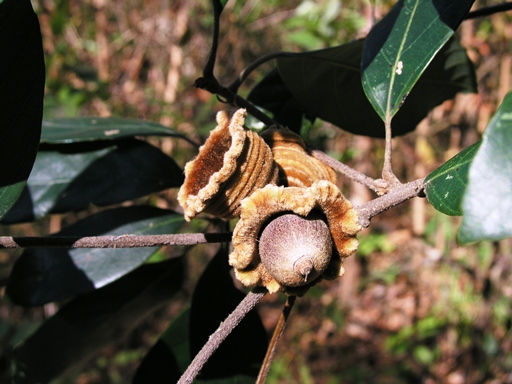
[
  {"x": 210, "y": 83},
  {"x": 214, "y": 87},
  {"x": 255, "y": 64},
  {"x": 347, "y": 171},
  {"x": 387, "y": 169},
  {"x": 394, "y": 197},
  {"x": 216, "y": 339},
  {"x": 487, "y": 11},
  {"x": 210, "y": 63},
  {"x": 278, "y": 332},
  {"x": 123, "y": 241}
]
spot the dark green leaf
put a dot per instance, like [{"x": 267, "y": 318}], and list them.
[
  {"x": 22, "y": 77},
  {"x": 327, "y": 83},
  {"x": 44, "y": 275},
  {"x": 487, "y": 203},
  {"x": 90, "y": 322},
  {"x": 62, "y": 182},
  {"x": 445, "y": 185},
  {"x": 273, "y": 95},
  {"x": 169, "y": 357},
  {"x": 214, "y": 298},
  {"x": 9, "y": 195},
  {"x": 399, "y": 48},
  {"x": 83, "y": 129}
]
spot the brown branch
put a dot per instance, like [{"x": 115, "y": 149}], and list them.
[
  {"x": 278, "y": 332},
  {"x": 216, "y": 338},
  {"x": 347, "y": 171},
  {"x": 394, "y": 197},
  {"x": 123, "y": 241}
]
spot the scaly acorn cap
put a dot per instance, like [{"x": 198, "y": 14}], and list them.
[
  {"x": 272, "y": 201},
  {"x": 231, "y": 164},
  {"x": 297, "y": 168}
]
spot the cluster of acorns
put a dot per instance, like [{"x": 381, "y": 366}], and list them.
[{"x": 295, "y": 226}]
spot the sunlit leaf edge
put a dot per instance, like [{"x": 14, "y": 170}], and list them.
[{"x": 455, "y": 169}]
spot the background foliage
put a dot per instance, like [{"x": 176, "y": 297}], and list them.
[{"x": 413, "y": 306}]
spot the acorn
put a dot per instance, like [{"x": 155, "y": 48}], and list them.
[
  {"x": 322, "y": 219},
  {"x": 294, "y": 249}
]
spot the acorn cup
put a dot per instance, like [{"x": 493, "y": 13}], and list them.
[
  {"x": 298, "y": 251},
  {"x": 297, "y": 168},
  {"x": 232, "y": 164}
]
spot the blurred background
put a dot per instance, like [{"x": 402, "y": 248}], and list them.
[{"x": 413, "y": 306}]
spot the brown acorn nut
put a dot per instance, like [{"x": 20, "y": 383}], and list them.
[
  {"x": 296, "y": 250},
  {"x": 231, "y": 164},
  {"x": 297, "y": 168},
  {"x": 271, "y": 201}
]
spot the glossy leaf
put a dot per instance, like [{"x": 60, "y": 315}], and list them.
[
  {"x": 90, "y": 322},
  {"x": 44, "y": 275},
  {"x": 9, "y": 195},
  {"x": 22, "y": 76},
  {"x": 327, "y": 84},
  {"x": 445, "y": 185},
  {"x": 63, "y": 182},
  {"x": 83, "y": 129},
  {"x": 487, "y": 204},
  {"x": 169, "y": 357},
  {"x": 214, "y": 298},
  {"x": 399, "y": 48},
  {"x": 272, "y": 94}
]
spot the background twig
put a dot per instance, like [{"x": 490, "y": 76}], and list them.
[
  {"x": 278, "y": 332},
  {"x": 489, "y": 10}
]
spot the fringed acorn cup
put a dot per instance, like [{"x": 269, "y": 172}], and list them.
[
  {"x": 297, "y": 168},
  {"x": 288, "y": 239},
  {"x": 231, "y": 164}
]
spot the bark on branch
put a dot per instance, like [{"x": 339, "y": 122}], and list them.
[
  {"x": 394, "y": 197},
  {"x": 123, "y": 241}
]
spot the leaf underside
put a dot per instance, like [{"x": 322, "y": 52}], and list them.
[
  {"x": 43, "y": 275},
  {"x": 67, "y": 179},
  {"x": 85, "y": 129}
]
